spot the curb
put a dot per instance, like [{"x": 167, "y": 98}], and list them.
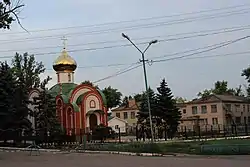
[{"x": 55, "y": 151}]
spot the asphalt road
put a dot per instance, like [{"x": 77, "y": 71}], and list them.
[{"x": 108, "y": 160}]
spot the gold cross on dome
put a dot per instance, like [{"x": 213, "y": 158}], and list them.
[{"x": 64, "y": 39}]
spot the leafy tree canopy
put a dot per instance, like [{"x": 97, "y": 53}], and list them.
[
  {"x": 138, "y": 97},
  {"x": 87, "y": 82},
  {"x": 113, "y": 96},
  {"x": 246, "y": 74},
  {"x": 27, "y": 70},
  {"x": 220, "y": 88},
  {"x": 180, "y": 100},
  {"x": 9, "y": 11}
]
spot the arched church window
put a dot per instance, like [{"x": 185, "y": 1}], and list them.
[{"x": 92, "y": 104}]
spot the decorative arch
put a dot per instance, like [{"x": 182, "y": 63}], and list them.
[{"x": 88, "y": 88}]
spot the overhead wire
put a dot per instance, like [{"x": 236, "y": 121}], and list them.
[
  {"x": 207, "y": 50},
  {"x": 148, "y": 25},
  {"x": 136, "y": 20},
  {"x": 174, "y": 58},
  {"x": 206, "y": 33},
  {"x": 125, "y": 45}
]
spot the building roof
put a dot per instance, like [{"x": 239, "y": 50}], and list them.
[
  {"x": 220, "y": 98},
  {"x": 113, "y": 117},
  {"x": 64, "y": 62},
  {"x": 67, "y": 88},
  {"x": 132, "y": 105}
]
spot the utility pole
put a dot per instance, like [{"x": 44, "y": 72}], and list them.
[{"x": 145, "y": 78}]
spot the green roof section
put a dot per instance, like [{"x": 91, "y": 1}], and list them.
[
  {"x": 103, "y": 97},
  {"x": 75, "y": 107},
  {"x": 80, "y": 98},
  {"x": 67, "y": 88}
]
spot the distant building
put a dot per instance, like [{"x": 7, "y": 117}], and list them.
[
  {"x": 127, "y": 113},
  {"x": 117, "y": 123},
  {"x": 215, "y": 110}
]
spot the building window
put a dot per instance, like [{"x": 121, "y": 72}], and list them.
[
  {"x": 245, "y": 120},
  {"x": 213, "y": 108},
  {"x": 194, "y": 110},
  {"x": 244, "y": 108},
  {"x": 125, "y": 115},
  {"x": 238, "y": 120},
  {"x": 248, "y": 108},
  {"x": 203, "y": 109},
  {"x": 116, "y": 126},
  {"x": 203, "y": 121},
  {"x": 237, "y": 107},
  {"x": 132, "y": 115},
  {"x": 92, "y": 104},
  {"x": 248, "y": 120},
  {"x": 184, "y": 111},
  {"x": 215, "y": 121},
  {"x": 69, "y": 77},
  {"x": 228, "y": 106},
  {"x": 118, "y": 115}
]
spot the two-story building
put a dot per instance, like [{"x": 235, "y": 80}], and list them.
[
  {"x": 215, "y": 110},
  {"x": 127, "y": 113}
]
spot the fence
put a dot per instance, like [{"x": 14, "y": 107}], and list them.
[{"x": 46, "y": 139}]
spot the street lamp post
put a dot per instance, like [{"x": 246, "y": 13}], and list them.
[{"x": 145, "y": 77}]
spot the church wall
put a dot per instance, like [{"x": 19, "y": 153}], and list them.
[
  {"x": 92, "y": 102},
  {"x": 65, "y": 77}
]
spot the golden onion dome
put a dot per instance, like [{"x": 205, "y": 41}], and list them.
[{"x": 64, "y": 62}]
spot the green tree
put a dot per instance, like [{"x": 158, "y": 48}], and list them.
[
  {"x": 125, "y": 101},
  {"x": 221, "y": 88},
  {"x": 46, "y": 118},
  {"x": 138, "y": 97},
  {"x": 113, "y": 96},
  {"x": 166, "y": 109},
  {"x": 143, "y": 114},
  {"x": 7, "y": 98},
  {"x": 12, "y": 114},
  {"x": 246, "y": 74},
  {"x": 87, "y": 82},
  {"x": 28, "y": 70},
  {"x": 180, "y": 100},
  {"x": 9, "y": 12}
]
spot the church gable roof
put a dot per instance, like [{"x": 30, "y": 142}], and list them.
[{"x": 67, "y": 88}]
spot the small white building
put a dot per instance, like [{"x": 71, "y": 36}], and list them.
[{"x": 115, "y": 123}]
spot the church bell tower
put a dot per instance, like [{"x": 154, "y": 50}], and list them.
[{"x": 65, "y": 66}]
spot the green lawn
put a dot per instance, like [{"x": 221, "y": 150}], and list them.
[{"x": 193, "y": 147}]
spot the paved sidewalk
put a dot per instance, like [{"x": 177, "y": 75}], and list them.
[{"x": 18, "y": 159}]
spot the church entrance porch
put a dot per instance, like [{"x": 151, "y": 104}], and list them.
[{"x": 94, "y": 118}]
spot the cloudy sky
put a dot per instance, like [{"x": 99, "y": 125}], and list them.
[{"x": 93, "y": 29}]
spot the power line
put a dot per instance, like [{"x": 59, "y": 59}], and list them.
[
  {"x": 180, "y": 57},
  {"x": 119, "y": 73},
  {"x": 98, "y": 66},
  {"x": 220, "y": 31},
  {"x": 148, "y": 25},
  {"x": 214, "y": 48},
  {"x": 125, "y": 45},
  {"x": 136, "y": 20}
]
